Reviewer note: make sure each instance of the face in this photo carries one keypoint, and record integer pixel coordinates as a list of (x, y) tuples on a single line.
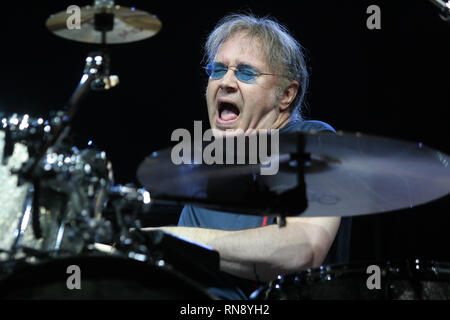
[(233, 104)]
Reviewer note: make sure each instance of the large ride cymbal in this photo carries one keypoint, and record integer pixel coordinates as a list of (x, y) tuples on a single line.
[(348, 174), (130, 25)]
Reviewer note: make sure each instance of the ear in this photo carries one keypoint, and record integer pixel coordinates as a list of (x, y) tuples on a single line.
[(289, 93)]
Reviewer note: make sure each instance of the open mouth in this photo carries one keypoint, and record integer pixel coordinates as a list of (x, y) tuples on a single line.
[(228, 112)]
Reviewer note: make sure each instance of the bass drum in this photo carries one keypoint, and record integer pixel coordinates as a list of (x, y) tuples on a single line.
[(99, 278), (406, 280)]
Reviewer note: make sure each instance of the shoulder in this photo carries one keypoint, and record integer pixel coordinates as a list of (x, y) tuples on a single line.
[(307, 125)]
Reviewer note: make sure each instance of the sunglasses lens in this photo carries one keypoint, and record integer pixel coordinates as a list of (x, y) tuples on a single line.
[(246, 74), (216, 70)]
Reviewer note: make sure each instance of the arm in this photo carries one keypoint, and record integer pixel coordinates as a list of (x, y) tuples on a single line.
[(270, 250)]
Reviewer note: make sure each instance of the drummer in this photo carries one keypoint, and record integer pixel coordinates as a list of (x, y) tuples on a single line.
[(257, 80)]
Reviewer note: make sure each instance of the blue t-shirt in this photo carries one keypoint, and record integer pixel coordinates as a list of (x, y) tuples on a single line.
[(233, 287)]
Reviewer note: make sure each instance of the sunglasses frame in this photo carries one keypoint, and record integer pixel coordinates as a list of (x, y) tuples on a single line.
[(237, 72)]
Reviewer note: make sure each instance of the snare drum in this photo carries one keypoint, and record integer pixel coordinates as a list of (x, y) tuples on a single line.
[(405, 280)]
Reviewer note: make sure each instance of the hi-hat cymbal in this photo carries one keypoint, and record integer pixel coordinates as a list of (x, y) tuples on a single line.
[(348, 174), (130, 25)]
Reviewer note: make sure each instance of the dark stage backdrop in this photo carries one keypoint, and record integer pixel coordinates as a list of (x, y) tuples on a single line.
[(391, 82)]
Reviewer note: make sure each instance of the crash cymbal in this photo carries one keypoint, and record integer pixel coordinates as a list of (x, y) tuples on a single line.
[(347, 174), (130, 25)]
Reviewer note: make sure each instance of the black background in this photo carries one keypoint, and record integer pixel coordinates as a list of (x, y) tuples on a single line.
[(391, 82)]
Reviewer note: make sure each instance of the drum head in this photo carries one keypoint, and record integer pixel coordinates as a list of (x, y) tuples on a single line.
[(100, 277)]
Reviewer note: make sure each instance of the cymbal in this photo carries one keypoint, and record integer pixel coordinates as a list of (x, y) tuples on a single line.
[(130, 25), (348, 174)]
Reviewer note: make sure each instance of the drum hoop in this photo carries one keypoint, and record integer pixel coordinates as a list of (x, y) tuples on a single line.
[(423, 269)]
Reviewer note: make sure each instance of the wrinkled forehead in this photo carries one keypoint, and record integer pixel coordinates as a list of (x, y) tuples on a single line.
[(243, 47)]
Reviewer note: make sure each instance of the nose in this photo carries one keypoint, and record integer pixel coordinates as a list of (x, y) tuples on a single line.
[(229, 82)]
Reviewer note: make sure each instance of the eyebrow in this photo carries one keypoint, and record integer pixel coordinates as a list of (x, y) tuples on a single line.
[(240, 62)]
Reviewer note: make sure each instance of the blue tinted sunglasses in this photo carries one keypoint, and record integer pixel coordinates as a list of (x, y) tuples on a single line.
[(244, 73)]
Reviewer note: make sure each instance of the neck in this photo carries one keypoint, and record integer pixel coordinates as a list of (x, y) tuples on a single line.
[(282, 120)]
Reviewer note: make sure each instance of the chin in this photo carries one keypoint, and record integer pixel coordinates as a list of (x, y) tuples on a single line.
[(227, 132)]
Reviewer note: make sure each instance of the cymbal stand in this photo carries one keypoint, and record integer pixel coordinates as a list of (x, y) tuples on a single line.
[(444, 8), (96, 77)]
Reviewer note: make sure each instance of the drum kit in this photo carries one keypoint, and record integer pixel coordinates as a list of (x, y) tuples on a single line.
[(60, 206)]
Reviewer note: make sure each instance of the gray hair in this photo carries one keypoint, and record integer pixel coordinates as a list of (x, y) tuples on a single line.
[(283, 51)]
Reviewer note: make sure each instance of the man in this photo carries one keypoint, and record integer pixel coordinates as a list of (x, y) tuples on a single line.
[(257, 80)]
